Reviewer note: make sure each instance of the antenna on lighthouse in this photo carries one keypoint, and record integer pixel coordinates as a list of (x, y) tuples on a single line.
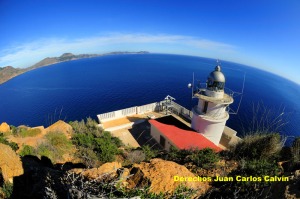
[(200, 87), (236, 94)]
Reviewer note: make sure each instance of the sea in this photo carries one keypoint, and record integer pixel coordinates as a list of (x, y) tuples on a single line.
[(78, 89)]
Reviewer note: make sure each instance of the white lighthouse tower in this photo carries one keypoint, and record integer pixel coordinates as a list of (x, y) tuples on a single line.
[(210, 115)]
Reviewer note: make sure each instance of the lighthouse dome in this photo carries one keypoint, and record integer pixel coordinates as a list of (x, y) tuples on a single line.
[(216, 80), (217, 75)]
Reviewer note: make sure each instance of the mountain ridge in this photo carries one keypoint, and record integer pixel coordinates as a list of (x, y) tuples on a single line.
[(9, 72)]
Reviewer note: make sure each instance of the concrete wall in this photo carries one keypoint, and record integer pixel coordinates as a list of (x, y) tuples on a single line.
[(178, 109), (155, 133), (104, 117), (156, 106), (147, 108)]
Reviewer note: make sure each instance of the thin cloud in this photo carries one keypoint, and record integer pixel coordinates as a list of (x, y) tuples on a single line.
[(27, 54)]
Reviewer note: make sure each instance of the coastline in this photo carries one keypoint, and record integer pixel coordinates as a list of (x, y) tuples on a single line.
[(53, 60)]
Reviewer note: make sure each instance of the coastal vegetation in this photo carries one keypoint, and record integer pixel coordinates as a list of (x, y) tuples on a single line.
[(28, 132), (94, 145), (256, 158), (4, 140), (205, 158)]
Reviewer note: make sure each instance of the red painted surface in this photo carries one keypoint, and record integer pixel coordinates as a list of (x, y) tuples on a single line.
[(184, 139)]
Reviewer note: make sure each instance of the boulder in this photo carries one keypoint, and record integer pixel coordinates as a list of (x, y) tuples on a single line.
[(159, 174), (106, 170), (61, 126), (4, 128), (297, 174), (10, 163), (24, 127), (124, 176)]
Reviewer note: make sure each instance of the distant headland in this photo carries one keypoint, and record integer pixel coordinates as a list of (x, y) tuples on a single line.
[(9, 72)]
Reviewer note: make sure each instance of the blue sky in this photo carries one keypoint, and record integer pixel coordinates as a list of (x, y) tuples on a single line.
[(259, 33)]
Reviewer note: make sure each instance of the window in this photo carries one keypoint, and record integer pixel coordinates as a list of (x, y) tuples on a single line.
[(205, 107), (215, 86)]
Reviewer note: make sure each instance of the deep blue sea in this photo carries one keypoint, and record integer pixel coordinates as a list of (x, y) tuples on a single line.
[(84, 88)]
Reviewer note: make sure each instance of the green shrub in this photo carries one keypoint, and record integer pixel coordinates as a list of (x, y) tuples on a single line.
[(27, 150), (59, 140), (90, 140), (135, 156), (83, 140), (90, 126), (55, 146), (116, 140), (105, 147), (183, 192), (255, 168), (261, 168), (205, 158), (149, 153), (7, 189), (295, 149), (258, 146), (179, 156), (14, 130), (13, 145), (47, 150), (3, 140), (29, 132), (88, 157)]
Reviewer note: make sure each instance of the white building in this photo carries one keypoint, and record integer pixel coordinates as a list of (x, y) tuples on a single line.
[(210, 115)]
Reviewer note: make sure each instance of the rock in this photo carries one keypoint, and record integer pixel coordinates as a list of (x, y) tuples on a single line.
[(297, 174), (10, 163), (125, 174), (292, 191), (41, 128), (106, 170), (24, 127), (61, 126), (4, 128), (160, 176)]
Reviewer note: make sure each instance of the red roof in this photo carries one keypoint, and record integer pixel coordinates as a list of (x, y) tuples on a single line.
[(184, 139)]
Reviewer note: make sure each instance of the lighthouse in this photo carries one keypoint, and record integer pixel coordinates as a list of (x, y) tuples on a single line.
[(210, 115)]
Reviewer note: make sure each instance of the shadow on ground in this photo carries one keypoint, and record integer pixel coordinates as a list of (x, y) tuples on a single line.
[(141, 133), (42, 179)]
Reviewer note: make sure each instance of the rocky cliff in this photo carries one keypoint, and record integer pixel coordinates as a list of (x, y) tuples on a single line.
[(10, 163), (4, 128)]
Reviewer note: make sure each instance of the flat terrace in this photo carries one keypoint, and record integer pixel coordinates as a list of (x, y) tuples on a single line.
[(134, 130), (129, 120)]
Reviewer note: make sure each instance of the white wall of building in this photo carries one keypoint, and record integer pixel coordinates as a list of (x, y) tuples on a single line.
[(155, 133), (210, 128), (216, 111)]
